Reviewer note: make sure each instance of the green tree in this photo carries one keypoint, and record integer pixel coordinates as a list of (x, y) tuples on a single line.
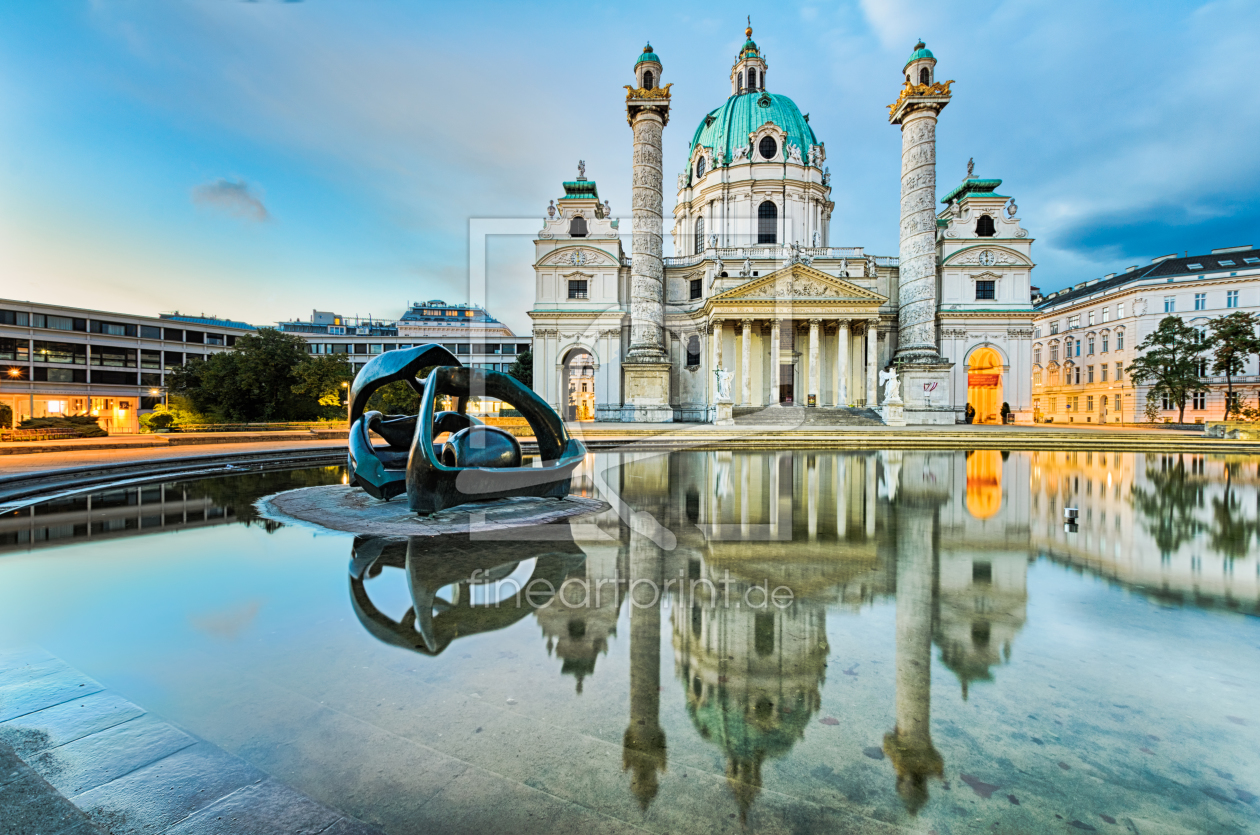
[(6, 416), (1234, 339), (1169, 363), (326, 378), (523, 369), (396, 398), (1169, 503), (255, 381)]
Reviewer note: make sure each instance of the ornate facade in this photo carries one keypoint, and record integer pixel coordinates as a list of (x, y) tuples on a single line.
[(756, 292)]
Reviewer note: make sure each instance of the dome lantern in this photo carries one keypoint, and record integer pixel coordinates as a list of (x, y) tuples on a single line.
[(647, 70), (921, 66), (748, 75)]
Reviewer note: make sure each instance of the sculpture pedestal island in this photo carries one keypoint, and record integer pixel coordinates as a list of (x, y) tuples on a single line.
[(475, 480)]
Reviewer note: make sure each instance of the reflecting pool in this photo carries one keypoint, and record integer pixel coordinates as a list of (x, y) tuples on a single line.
[(746, 642)]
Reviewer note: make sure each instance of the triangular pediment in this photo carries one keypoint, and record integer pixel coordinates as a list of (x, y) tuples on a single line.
[(799, 282)]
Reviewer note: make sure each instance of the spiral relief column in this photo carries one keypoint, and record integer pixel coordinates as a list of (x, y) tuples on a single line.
[(646, 367)]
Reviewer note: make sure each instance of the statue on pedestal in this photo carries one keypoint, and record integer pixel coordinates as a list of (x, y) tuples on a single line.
[(724, 378), (892, 385)]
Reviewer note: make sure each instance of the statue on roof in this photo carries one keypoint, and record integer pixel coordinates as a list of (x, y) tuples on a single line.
[(581, 169), (607, 209), (1011, 209), (551, 209), (971, 168)]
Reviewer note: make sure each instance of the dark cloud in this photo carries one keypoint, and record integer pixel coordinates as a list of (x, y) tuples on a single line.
[(236, 197), (1134, 236)]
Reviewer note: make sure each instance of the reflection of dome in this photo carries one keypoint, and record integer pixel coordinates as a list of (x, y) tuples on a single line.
[(727, 128)]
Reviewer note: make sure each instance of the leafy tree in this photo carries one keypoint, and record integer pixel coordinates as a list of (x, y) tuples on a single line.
[(255, 381), (523, 369), (6, 416), (397, 398), (1235, 340), (326, 378), (1169, 363)]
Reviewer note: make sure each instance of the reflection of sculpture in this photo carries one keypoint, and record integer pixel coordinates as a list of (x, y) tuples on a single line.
[(892, 386), (724, 383), (478, 462), (474, 571)]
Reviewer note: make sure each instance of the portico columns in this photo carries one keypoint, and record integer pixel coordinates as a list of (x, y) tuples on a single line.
[(814, 375), (747, 360), (872, 358), (715, 329), (776, 359), (842, 363)]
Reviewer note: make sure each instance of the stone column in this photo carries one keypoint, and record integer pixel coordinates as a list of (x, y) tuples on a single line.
[(776, 357), (916, 341), (815, 376), (842, 363), (746, 358), (872, 360), (643, 750)]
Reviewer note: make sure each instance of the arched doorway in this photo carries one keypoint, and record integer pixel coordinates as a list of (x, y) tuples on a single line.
[(578, 385), (984, 483), (984, 385)]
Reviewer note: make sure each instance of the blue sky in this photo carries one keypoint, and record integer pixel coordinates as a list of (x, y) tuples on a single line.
[(256, 160)]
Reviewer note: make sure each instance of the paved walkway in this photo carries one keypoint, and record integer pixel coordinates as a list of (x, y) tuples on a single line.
[(127, 453), (94, 759)]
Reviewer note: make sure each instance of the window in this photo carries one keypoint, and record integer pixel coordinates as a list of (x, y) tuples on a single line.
[(1052, 403), (114, 378), (1078, 347), (752, 82), (767, 217), (1037, 332), (1194, 266), (375, 349), (700, 168), (1036, 356), (1119, 340), (1226, 263), (648, 81), (1105, 314), (1054, 353), (1091, 317), (923, 75), (1102, 403), (522, 348), (1231, 298), (59, 375), (767, 147), (14, 317), (1074, 322), (577, 288), (1119, 371), (1054, 327), (1103, 371), (1120, 310), (1089, 403), (986, 289), (18, 350), (740, 82), (1200, 301), (1251, 260), (214, 339), (150, 332), (697, 290), (1167, 403), (1201, 368), (693, 351), (58, 323), (1105, 339), (699, 235), (577, 227), (62, 353), (1089, 373), (151, 360), (1077, 375), (108, 328), (1199, 400), (1091, 346), (1170, 304), (1036, 378), (984, 227)]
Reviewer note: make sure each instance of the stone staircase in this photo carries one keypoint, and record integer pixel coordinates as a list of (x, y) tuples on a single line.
[(788, 416)]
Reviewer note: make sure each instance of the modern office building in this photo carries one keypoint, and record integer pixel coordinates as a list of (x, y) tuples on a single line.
[(1085, 336), (57, 360), (468, 331)]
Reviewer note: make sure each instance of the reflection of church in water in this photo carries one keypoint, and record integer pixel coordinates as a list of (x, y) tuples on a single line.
[(839, 531)]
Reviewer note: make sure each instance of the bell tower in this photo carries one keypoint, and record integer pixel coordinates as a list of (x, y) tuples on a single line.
[(748, 75), (646, 368)]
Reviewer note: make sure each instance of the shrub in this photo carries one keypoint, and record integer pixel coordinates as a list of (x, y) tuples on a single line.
[(6, 416), (84, 426)]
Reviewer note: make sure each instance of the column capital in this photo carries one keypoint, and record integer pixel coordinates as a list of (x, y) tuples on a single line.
[(747, 323), (813, 323), (842, 324)]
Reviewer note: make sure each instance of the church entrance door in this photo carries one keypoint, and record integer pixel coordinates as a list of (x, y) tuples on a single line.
[(786, 389), (984, 385)]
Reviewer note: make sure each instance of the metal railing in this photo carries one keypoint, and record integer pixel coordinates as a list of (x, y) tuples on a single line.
[(257, 427)]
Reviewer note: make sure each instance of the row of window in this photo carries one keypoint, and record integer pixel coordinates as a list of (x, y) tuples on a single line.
[(1075, 321), (96, 376), (373, 348), (77, 353), (1170, 306), (22, 319), (1073, 403), (1072, 347), (1072, 375)]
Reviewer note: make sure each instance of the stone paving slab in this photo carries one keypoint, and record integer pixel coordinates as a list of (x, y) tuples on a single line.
[(158, 796), (127, 772), (109, 754), (340, 507), (60, 724)]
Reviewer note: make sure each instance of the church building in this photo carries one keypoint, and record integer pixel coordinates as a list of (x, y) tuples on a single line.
[(756, 308)]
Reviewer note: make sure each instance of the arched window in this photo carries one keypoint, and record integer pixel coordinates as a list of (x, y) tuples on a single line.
[(924, 76), (768, 147), (984, 227), (577, 227), (699, 235), (693, 351), (700, 168), (647, 79), (752, 79), (767, 221), (739, 84)]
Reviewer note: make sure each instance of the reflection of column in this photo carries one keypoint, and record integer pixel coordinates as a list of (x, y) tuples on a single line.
[(842, 495), (872, 360), (776, 340), (814, 376), (811, 499), (746, 356), (870, 496), (909, 745), (643, 745), (842, 362), (774, 495)]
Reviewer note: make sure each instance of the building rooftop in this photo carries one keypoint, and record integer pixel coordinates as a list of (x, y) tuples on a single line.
[(1231, 259), (436, 310), (208, 321)]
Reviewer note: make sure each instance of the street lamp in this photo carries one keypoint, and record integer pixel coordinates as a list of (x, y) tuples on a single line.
[(346, 386), (16, 374)]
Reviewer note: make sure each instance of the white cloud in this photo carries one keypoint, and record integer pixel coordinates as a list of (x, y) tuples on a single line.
[(236, 197)]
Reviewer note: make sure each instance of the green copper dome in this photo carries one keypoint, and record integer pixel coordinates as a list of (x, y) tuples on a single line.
[(648, 55), (726, 129), (920, 51)]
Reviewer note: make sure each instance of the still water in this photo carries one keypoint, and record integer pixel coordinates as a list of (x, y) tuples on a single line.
[(772, 642)]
